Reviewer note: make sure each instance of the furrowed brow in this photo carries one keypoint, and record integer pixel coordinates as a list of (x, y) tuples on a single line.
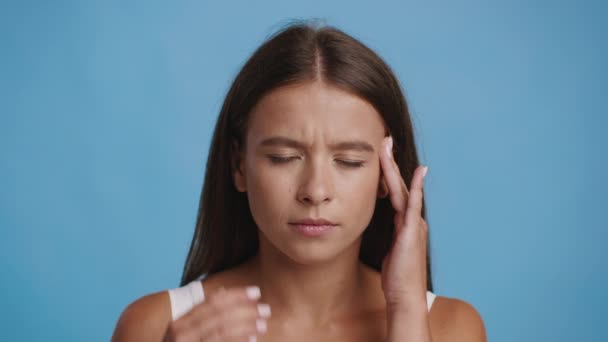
[(356, 145), (282, 141)]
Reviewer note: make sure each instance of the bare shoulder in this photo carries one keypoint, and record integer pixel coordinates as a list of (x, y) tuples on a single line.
[(452, 319), (145, 319)]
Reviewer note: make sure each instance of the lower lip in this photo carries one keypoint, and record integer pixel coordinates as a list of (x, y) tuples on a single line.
[(312, 230)]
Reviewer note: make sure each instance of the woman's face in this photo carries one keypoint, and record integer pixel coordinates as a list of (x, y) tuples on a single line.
[(312, 152)]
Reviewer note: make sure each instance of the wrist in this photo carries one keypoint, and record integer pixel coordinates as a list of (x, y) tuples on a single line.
[(408, 319), (408, 323), (408, 307)]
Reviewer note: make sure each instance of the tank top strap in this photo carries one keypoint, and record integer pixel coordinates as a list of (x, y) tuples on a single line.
[(430, 298), (184, 298)]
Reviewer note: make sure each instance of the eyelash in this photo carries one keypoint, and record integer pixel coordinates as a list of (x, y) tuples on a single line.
[(283, 160)]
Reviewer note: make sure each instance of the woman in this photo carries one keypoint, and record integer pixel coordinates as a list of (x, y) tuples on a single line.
[(306, 228)]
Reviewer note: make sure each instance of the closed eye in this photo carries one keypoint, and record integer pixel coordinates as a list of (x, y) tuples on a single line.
[(281, 159), (351, 163), (287, 159)]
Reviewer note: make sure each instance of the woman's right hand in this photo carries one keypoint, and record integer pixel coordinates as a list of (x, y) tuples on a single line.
[(232, 314)]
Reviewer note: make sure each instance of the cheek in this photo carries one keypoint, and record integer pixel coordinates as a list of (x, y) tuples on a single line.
[(270, 194), (360, 195), (364, 179)]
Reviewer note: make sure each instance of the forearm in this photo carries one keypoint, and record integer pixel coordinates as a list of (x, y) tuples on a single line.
[(408, 324)]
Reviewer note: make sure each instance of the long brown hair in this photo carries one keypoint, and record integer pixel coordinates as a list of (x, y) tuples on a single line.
[(226, 234)]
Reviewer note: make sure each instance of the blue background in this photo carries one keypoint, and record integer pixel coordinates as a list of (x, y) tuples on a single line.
[(107, 109)]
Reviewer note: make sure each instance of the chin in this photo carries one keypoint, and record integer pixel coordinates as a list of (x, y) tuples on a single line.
[(304, 250), (308, 256), (309, 253)]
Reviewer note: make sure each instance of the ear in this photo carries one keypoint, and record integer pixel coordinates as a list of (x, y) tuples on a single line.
[(238, 169), (382, 187)]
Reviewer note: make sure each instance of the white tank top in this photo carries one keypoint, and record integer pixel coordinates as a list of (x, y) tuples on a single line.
[(184, 298)]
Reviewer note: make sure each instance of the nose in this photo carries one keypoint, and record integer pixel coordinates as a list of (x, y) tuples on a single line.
[(316, 185)]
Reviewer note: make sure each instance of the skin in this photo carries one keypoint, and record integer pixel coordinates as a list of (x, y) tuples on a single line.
[(294, 167)]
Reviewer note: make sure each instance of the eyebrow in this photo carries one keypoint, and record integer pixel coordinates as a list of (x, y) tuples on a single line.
[(357, 145)]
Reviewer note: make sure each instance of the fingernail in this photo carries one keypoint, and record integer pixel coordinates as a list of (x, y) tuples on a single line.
[(261, 325), (253, 338), (253, 292), (424, 170), (264, 310)]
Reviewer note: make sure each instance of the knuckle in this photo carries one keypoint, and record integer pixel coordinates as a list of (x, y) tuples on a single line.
[(217, 302), (417, 205)]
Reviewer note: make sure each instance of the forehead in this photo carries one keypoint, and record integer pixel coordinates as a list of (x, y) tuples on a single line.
[(313, 111)]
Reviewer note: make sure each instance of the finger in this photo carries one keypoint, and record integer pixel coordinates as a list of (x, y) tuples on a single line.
[(396, 187), (413, 214), (236, 324), (396, 166), (424, 225), (220, 301)]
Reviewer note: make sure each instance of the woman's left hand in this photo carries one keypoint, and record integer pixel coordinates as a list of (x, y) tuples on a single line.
[(404, 273)]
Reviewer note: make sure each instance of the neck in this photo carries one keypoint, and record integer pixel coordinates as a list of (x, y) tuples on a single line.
[(314, 293)]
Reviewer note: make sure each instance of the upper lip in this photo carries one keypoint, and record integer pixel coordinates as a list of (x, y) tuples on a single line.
[(314, 222)]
